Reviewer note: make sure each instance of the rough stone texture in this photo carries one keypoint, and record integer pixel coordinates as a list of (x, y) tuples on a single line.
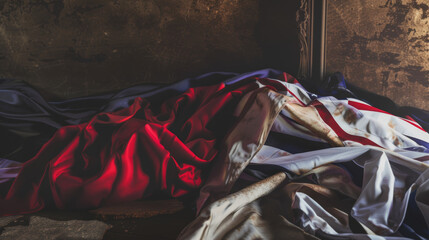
[(123, 229), (139, 209), (4, 221), (46, 229), (382, 46), (164, 227), (70, 48)]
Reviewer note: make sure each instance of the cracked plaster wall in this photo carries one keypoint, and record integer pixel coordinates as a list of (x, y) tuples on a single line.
[(382, 46)]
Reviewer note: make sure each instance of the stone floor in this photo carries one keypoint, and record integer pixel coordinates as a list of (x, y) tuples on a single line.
[(143, 220)]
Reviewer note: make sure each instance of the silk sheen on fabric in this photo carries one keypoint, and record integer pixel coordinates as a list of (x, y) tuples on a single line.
[(28, 121), (132, 153), (348, 170)]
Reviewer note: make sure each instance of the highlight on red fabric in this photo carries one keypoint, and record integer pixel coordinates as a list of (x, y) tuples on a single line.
[(137, 152)]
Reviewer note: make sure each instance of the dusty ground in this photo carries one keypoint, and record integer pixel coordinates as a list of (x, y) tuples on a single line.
[(56, 224)]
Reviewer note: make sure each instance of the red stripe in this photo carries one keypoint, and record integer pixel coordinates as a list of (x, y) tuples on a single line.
[(410, 118), (327, 117), (273, 83), (296, 97), (289, 78), (279, 86), (366, 107), (422, 159), (362, 106)]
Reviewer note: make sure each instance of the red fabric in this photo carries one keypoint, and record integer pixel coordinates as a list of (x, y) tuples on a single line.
[(366, 107), (343, 135), (127, 155)]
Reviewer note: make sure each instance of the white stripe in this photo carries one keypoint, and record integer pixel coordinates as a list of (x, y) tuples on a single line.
[(370, 125)]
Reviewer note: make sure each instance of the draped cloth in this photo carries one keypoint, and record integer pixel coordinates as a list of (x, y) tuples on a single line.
[(27, 120), (348, 170), (132, 153)]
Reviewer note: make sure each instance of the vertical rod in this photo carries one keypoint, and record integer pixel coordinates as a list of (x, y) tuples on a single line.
[(318, 41)]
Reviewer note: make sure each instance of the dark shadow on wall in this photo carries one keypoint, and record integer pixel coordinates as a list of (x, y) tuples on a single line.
[(70, 48)]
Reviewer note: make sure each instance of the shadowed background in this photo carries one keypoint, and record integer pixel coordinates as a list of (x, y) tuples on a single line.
[(71, 48)]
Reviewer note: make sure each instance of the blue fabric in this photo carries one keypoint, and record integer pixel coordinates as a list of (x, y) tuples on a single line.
[(420, 142), (414, 222), (27, 120)]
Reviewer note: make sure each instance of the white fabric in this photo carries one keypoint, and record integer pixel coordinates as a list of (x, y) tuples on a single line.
[(389, 178), (387, 131)]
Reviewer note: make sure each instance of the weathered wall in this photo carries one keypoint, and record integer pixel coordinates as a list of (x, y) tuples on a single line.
[(70, 48), (382, 46)]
